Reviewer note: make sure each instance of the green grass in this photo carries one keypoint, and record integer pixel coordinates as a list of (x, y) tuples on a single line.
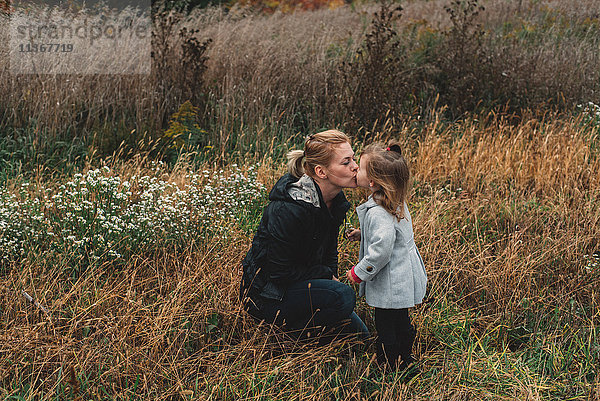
[(26, 152)]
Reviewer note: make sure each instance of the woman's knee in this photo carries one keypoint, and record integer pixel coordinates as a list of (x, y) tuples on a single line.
[(328, 296), (346, 298)]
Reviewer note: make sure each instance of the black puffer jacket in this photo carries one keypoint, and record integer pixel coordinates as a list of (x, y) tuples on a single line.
[(296, 239)]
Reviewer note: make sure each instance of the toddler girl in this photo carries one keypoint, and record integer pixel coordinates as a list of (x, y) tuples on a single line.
[(390, 271)]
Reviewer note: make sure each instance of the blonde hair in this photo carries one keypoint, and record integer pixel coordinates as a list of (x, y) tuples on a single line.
[(388, 169), (318, 150)]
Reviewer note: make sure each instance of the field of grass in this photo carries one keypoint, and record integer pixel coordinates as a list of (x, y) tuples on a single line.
[(507, 219), (127, 203)]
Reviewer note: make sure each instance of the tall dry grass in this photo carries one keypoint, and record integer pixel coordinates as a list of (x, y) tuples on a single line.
[(506, 217), (283, 74)]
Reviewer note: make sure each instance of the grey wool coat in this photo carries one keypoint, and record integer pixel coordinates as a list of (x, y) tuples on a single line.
[(390, 265)]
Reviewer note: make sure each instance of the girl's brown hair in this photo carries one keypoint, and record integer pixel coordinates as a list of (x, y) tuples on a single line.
[(388, 169), (318, 150)]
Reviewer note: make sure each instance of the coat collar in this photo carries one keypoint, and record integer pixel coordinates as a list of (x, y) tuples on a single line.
[(368, 204)]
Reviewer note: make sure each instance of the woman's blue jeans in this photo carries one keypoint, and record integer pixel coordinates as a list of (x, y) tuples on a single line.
[(323, 303)]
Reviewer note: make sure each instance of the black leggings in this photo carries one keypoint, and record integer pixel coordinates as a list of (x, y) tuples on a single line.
[(395, 336)]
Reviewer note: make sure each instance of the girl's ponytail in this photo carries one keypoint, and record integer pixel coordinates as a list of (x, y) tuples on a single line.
[(296, 163)]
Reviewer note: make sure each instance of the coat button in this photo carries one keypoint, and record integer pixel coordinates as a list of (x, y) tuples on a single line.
[(369, 268)]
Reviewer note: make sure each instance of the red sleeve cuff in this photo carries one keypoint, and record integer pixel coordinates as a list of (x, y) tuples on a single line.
[(354, 276)]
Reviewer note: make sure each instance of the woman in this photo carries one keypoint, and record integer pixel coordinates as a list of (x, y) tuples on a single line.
[(290, 272)]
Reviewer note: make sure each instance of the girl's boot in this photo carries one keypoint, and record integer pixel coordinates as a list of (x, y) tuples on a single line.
[(408, 364), (387, 354)]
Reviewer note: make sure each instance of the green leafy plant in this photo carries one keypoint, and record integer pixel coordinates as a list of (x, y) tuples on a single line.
[(184, 129)]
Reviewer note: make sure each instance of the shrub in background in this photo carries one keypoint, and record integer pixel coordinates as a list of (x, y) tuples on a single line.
[(476, 64), (179, 61), (462, 63), (377, 80)]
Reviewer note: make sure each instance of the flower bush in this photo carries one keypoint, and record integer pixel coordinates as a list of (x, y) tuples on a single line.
[(98, 217), (591, 113), (21, 221)]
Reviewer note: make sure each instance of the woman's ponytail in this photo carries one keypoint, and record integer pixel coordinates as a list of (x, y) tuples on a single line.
[(318, 150), (296, 163)]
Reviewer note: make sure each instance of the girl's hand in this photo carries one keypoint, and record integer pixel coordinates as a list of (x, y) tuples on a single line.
[(350, 277), (353, 234)]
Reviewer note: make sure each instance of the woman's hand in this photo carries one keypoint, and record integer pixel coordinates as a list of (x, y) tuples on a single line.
[(353, 234)]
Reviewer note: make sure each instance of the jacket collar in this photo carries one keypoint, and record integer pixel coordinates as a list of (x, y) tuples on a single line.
[(368, 204)]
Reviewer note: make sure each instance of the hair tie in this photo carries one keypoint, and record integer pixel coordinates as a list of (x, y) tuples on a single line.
[(394, 148)]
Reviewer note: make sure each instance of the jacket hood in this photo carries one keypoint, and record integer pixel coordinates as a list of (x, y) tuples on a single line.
[(279, 191), (304, 190), (290, 188)]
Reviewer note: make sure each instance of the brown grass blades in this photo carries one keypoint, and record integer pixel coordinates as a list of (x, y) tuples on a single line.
[(536, 157), (154, 320)]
